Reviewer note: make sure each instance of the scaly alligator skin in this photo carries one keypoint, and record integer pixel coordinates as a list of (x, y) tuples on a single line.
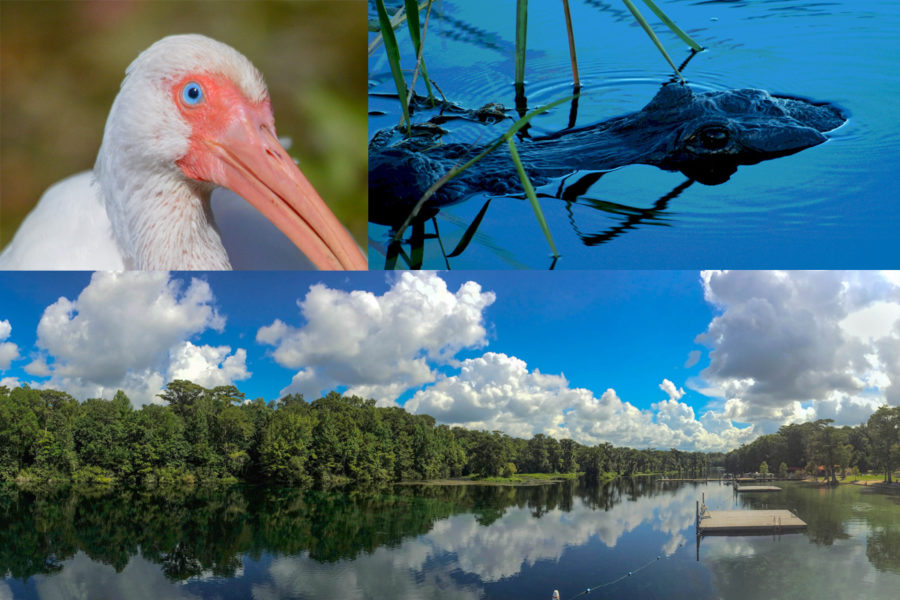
[(705, 135)]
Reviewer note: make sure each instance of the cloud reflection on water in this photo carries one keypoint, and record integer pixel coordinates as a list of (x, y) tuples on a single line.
[(459, 546), (495, 549)]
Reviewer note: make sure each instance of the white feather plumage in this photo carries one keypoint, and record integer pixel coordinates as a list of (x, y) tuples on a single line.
[(138, 210)]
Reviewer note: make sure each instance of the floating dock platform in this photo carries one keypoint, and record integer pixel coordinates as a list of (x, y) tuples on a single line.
[(748, 522), (757, 488)]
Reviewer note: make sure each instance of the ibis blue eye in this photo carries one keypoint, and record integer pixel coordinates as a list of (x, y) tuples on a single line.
[(192, 93)]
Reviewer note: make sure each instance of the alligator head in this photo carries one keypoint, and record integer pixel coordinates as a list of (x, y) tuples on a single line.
[(711, 133)]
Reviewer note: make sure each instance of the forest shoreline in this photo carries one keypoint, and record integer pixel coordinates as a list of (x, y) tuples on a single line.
[(522, 480), (200, 436)]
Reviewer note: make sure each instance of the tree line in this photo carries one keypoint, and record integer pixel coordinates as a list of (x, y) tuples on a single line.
[(870, 446), (216, 434)]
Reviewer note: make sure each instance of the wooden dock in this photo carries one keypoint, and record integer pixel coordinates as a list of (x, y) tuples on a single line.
[(737, 522), (757, 488)]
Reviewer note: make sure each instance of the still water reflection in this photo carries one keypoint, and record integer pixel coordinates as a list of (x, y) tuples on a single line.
[(447, 542)]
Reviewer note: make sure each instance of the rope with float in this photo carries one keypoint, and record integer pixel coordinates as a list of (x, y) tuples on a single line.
[(622, 577)]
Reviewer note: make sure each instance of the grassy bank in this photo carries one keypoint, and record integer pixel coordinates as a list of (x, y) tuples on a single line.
[(870, 479), (860, 479)]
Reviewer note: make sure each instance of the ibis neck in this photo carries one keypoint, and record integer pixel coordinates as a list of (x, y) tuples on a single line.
[(164, 222)]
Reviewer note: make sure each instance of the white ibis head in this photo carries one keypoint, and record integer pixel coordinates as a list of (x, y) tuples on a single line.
[(193, 113)]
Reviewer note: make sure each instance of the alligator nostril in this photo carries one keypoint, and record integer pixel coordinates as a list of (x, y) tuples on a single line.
[(714, 138)]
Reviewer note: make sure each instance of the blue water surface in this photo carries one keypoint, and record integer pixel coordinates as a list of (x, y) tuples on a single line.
[(830, 206), (631, 538)]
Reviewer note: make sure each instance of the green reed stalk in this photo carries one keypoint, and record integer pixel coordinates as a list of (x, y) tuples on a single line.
[(643, 22), (575, 80), (393, 55), (457, 170), (398, 18), (467, 235), (675, 28), (412, 19), (532, 197), (521, 31)]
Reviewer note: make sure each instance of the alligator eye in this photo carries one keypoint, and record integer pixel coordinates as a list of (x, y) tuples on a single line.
[(714, 138)]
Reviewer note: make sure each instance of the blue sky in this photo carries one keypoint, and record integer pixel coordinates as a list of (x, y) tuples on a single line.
[(597, 356), (620, 329), (602, 329)]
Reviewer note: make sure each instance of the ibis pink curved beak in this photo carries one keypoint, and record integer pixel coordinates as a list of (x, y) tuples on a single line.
[(241, 152), (258, 169)]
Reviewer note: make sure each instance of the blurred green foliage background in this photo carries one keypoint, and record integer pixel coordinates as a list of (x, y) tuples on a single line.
[(61, 63)]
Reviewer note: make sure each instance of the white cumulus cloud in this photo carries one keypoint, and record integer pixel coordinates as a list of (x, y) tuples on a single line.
[(496, 391), (8, 350), (38, 367), (790, 346), (127, 331), (673, 392), (380, 346), (208, 366)]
